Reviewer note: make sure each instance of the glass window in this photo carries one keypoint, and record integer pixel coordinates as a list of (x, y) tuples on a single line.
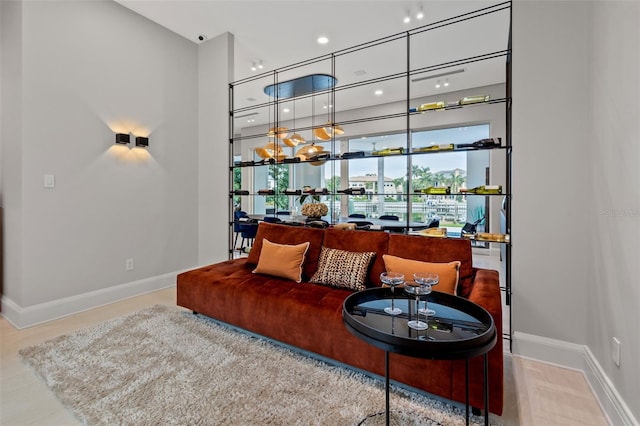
[(390, 180)]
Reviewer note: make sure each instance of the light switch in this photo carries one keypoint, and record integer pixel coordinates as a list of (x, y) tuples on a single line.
[(49, 181)]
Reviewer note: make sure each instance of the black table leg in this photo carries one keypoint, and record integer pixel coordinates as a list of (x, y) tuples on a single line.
[(466, 390), (486, 389), (386, 385)]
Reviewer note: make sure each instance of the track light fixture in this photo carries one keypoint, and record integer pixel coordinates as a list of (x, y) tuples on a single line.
[(419, 15)]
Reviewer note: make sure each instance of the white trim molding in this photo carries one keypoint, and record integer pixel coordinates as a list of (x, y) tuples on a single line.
[(23, 317), (577, 357)]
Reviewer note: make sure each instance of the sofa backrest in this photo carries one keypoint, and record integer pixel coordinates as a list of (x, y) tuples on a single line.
[(286, 234), (360, 241), (407, 246), (436, 250)]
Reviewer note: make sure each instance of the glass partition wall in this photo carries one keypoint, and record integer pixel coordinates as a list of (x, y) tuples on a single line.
[(382, 129)]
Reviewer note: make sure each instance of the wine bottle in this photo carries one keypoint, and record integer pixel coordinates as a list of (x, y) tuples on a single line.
[(440, 147), (482, 143), (483, 190), (240, 192), (474, 99), (434, 190), (356, 154), (352, 191), (266, 192), (316, 191), (388, 151), (431, 106), (291, 191)]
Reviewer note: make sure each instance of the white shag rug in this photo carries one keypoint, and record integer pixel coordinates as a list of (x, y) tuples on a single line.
[(164, 366)]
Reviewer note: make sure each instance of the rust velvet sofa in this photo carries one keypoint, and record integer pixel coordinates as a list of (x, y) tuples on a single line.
[(309, 316)]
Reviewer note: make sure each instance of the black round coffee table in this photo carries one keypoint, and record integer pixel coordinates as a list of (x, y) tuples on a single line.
[(460, 329)]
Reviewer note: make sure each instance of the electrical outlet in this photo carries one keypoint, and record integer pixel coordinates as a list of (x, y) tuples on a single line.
[(129, 264), (49, 181), (615, 351)]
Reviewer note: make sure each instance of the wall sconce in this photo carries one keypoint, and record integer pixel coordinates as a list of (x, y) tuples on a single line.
[(142, 141), (122, 138)]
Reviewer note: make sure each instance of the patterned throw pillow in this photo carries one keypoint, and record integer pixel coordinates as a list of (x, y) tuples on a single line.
[(340, 268)]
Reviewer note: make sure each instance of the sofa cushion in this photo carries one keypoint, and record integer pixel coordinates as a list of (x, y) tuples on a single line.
[(437, 250), (285, 234), (340, 268), (282, 260), (447, 272), (361, 241)]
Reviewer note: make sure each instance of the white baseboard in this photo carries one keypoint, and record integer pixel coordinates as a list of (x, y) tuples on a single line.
[(612, 403), (577, 357), (22, 317)]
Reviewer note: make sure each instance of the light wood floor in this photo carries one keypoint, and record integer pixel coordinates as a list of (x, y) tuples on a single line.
[(535, 393)]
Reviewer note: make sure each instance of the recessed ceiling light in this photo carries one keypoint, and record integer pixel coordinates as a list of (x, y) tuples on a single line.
[(323, 40), (285, 110), (378, 92), (407, 18)]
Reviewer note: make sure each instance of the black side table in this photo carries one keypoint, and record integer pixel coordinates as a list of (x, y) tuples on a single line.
[(460, 329)]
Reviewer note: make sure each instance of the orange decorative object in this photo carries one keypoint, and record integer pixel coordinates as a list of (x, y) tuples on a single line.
[(279, 132)]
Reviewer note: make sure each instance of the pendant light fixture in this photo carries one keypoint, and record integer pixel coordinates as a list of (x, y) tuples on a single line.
[(295, 138)]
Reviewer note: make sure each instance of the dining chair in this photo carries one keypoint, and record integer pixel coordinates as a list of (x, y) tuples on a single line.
[(237, 226)]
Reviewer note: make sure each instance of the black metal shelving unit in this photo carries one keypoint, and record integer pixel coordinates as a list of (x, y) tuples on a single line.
[(307, 122)]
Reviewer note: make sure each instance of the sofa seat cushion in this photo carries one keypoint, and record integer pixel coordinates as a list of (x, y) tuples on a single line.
[(285, 234), (361, 241), (437, 250)]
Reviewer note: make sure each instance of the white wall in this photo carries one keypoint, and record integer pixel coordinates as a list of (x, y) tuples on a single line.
[(613, 210), (84, 71), (215, 72), (549, 181), (576, 149)]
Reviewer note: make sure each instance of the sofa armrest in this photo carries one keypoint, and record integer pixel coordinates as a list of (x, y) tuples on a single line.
[(485, 292)]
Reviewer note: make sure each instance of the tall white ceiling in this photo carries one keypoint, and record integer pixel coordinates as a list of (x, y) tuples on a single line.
[(282, 32)]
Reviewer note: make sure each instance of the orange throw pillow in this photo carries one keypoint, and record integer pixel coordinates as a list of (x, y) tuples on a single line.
[(448, 272), (282, 260)]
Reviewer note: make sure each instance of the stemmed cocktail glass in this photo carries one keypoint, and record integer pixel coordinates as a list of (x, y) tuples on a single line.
[(430, 279), (392, 279), (424, 281)]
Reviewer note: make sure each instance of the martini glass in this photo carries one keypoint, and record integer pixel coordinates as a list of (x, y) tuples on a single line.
[(421, 289), (426, 279), (392, 279)]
